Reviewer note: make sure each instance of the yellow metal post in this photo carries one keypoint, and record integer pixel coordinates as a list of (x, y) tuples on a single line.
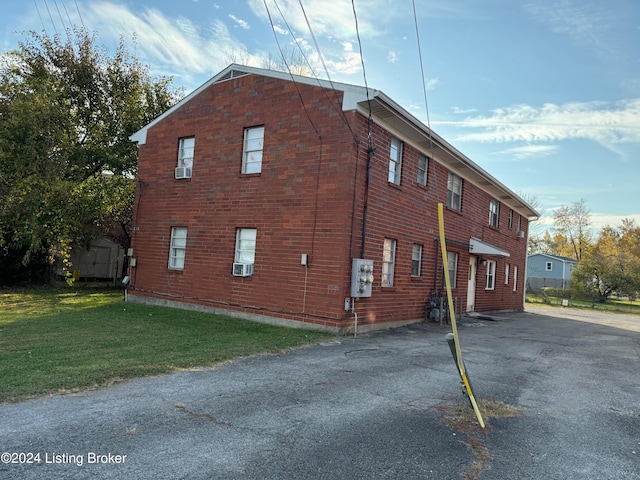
[(452, 316)]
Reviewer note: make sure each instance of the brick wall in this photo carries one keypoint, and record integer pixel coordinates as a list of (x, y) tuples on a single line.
[(308, 199)]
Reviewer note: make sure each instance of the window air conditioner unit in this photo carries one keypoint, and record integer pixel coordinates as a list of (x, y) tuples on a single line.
[(242, 269), (183, 172), (520, 234)]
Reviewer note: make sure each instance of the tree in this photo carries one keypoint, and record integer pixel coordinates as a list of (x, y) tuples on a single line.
[(67, 110), (611, 265), (573, 224)]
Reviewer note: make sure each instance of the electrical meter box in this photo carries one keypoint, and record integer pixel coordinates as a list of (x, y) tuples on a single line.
[(361, 277)]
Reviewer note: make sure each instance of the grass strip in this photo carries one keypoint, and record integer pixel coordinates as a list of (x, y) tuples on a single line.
[(56, 341)]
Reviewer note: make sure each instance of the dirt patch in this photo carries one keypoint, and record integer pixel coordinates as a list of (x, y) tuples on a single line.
[(462, 418)]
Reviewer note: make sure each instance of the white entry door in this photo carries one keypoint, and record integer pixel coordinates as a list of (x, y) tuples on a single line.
[(471, 285)]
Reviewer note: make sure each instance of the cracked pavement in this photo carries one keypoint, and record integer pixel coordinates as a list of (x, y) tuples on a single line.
[(365, 408)]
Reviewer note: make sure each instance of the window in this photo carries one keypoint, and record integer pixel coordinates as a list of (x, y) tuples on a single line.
[(452, 266), (549, 266), (510, 218), (491, 275), (506, 274), (518, 223), (178, 248), (186, 147), (423, 167), (388, 260), (416, 260), (245, 245), (252, 153), (454, 191), (494, 213), (515, 277), (395, 161)]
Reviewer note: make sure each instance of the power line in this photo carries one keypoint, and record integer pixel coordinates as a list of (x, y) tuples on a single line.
[(51, 17), (79, 15), (289, 69), (40, 17), (424, 90), (67, 14), (326, 70)]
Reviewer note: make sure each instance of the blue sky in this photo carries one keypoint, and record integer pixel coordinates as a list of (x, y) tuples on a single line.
[(543, 94)]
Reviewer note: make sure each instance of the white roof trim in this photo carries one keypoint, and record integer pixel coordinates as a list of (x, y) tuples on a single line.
[(478, 247)]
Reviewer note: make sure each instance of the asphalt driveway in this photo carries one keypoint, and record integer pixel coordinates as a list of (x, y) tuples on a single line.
[(373, 407)]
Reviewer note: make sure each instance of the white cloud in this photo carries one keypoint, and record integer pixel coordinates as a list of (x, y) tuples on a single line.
[(280, 30), (527, 151), (334, 27), (430, 83), (463, 111), (172, 46), (605, 123), (583, 22), (239, 22), (393, 57), (599, 220)]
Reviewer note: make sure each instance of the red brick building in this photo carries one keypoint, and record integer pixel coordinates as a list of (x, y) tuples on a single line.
[(257, 190)]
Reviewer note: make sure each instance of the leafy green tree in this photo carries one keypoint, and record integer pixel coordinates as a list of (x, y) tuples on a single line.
[(67, 165), (612, 264)]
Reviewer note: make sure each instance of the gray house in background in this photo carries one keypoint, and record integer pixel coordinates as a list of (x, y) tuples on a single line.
[(548, 271)]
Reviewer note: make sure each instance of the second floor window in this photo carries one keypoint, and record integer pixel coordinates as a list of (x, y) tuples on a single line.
[(454, 191), (395, 161), (186, 148), (252, 151), (494, 213), (423, 166)]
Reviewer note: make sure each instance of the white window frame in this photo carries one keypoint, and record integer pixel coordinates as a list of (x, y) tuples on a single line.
[(548, 267), (395, 161), (510, 218), (454, 192), (416, 260), (186, 148), (494, 213), (491, 275), (252, 150), (452, 266), (177, 248), (515, 277), (388, 262), (423, 169), (506, 274), (245, 245)]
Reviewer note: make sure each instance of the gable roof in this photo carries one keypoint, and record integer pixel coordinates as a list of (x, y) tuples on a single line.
[(555, 257), (387, 112)]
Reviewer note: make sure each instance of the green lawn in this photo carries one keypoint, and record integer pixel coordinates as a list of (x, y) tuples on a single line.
[(612, 305), (64, 340)]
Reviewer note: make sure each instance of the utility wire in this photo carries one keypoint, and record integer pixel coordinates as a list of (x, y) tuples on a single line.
[(66, 31), (424, 90), (50, 17), (364, 72), (67, 14), (79, 14), (289, 69), (40, 16), (326, 70)]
